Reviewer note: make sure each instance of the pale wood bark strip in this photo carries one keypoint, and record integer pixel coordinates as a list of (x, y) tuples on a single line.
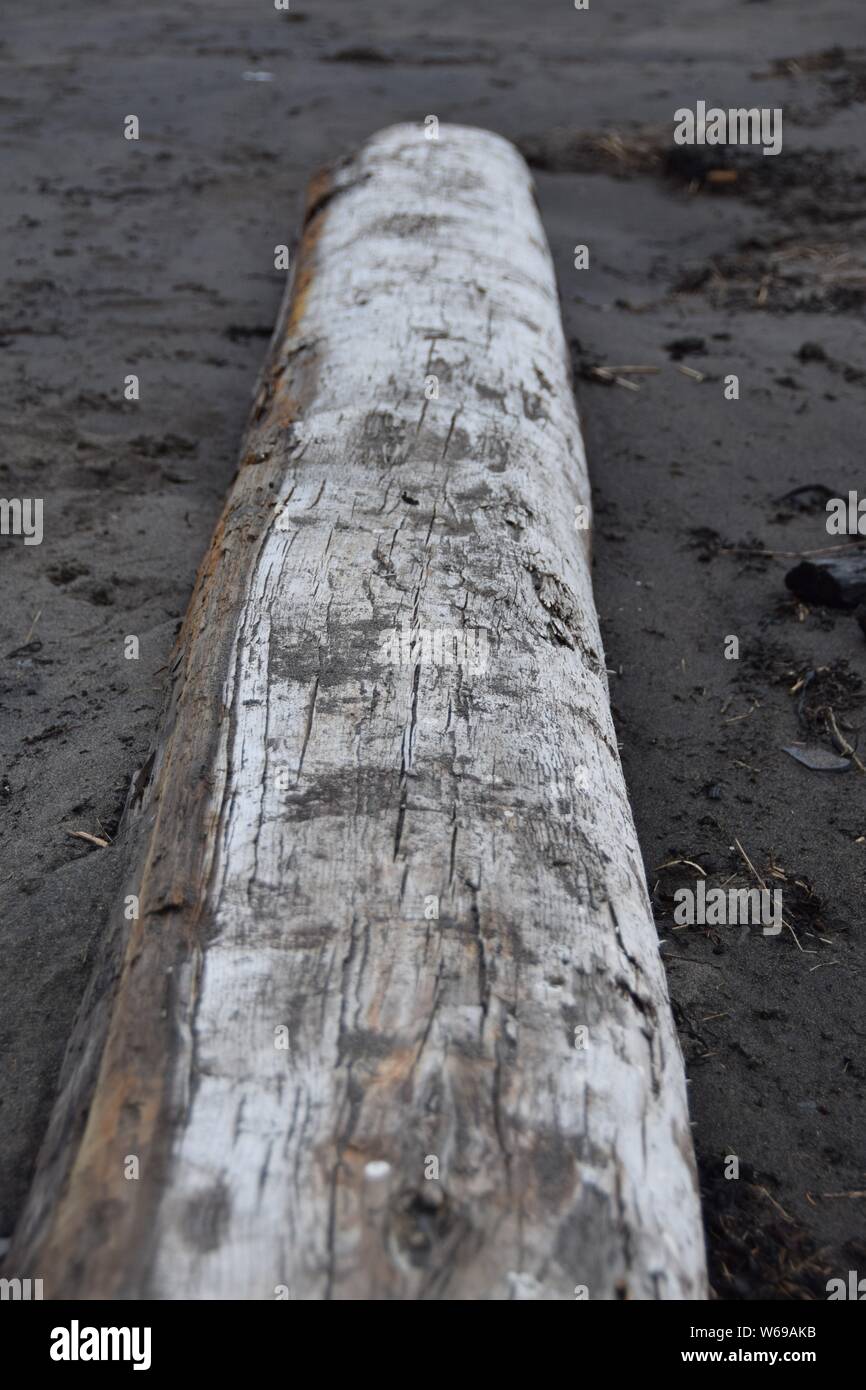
[(311, 794)]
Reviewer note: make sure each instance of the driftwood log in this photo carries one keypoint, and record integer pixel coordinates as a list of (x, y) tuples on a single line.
[(391, 1020)]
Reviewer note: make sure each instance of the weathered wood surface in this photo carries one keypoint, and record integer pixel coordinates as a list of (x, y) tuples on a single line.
[(315, 790)]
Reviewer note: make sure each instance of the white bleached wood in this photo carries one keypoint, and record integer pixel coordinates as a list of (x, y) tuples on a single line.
[(311, 797)]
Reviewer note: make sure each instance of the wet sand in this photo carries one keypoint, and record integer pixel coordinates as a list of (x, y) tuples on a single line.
[(155, 257)]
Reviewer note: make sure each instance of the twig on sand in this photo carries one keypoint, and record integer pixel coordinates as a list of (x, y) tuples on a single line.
[(92, 839), (32, 628), (669, 863), (630, 371), (764, 886), (735, 718), (608, 374), (789, 554), (844, 746), (770, 1198)]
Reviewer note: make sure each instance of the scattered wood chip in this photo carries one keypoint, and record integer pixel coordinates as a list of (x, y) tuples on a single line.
[(608, 374), (632, 371), (92, 839)]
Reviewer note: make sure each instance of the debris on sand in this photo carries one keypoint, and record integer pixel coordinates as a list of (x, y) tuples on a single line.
[(809, 497), (360, 53), (837, 581), (811, 352), (685, 347), (91, 839), (700, 168), (621, 153), (757, 1249), (805, 62), (618, 375), (817, 759)]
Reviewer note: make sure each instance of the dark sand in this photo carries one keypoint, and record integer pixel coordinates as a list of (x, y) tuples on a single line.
[(156, 258)]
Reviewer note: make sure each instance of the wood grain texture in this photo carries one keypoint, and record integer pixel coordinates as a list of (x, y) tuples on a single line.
[(388, 701)]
